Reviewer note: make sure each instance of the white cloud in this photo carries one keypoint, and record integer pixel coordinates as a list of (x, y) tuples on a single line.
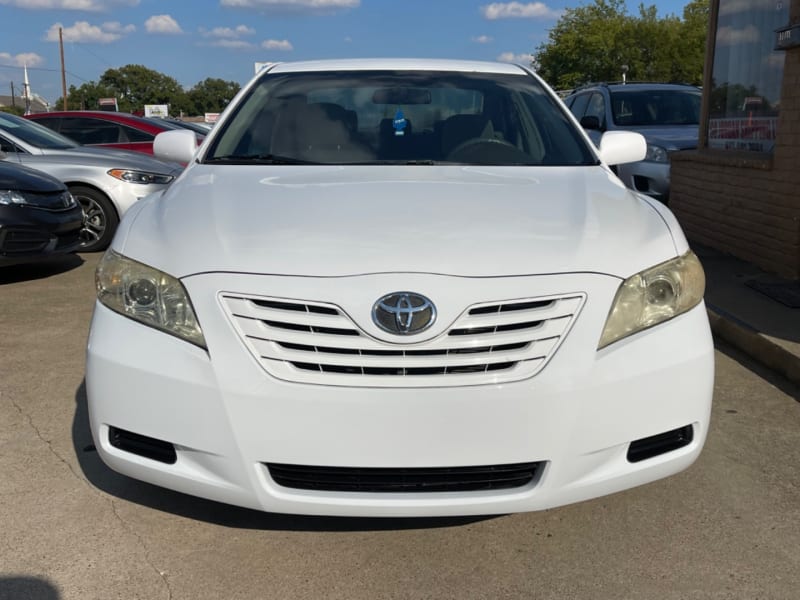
[(348, 40), (228, 33), (730, 36), (117, 27), (82, 31), (283, 45), (30, 59), (84, 5), (510, 57), (162, 24), (483, 39), (232, 44), (308, 6), (518, 10)]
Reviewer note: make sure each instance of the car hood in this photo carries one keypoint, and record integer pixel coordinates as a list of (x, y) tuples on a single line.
[(674, 137), (103, 157), (337, 221), (14, 176)]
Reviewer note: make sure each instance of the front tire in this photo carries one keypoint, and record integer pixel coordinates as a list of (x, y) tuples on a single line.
[(100, 218)]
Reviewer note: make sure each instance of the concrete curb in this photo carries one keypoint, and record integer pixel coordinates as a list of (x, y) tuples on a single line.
[(756, 345)]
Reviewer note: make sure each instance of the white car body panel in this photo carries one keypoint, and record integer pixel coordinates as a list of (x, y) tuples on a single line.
[(546, 220)]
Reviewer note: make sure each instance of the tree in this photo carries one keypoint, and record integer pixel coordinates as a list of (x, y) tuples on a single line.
[(84, 97), (133, 86), (14, 110), (211, 95), (593, 42)]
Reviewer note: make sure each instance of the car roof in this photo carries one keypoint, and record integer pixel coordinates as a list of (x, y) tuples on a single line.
[(636, 86), (397, 64), (112, 114), (119, 117)]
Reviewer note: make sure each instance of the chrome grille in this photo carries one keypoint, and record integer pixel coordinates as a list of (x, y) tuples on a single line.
[(314, 342)]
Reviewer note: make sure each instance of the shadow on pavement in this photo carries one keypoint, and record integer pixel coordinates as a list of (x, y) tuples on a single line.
[(145, 494), (780, 382), (26, 588), (39, 270)]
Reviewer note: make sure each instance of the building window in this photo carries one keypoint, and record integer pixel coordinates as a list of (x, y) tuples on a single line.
[(746, 76)]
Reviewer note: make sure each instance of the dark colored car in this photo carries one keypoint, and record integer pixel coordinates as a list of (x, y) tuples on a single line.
[(39, 218), (200, 128), (666, 114), (122, 131)]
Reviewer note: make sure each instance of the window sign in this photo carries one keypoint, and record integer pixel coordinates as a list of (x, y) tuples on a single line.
[(747, 75)]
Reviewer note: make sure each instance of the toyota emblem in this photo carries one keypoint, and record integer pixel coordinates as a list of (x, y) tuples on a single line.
[(403, 313)]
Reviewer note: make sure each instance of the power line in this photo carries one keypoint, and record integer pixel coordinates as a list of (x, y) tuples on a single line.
[(47, 70), (86, 49)]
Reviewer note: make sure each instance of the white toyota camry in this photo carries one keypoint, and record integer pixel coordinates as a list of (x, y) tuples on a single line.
[(399, 287)]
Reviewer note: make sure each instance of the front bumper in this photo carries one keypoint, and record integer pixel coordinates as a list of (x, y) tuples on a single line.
[(32, 234), (226, 416), (125, 194)]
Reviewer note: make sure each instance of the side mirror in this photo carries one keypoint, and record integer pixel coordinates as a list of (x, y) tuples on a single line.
[(590, 122), (175, 146), (619, 147)]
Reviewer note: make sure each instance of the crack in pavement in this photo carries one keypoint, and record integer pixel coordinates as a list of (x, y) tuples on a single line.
[(161, 574), (48, 443)]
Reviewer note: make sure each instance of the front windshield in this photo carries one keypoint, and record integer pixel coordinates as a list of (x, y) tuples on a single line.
[(399, 117), (33, 133), (656, 107)]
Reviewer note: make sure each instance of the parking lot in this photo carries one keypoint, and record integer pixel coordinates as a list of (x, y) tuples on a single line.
[(729, 527)]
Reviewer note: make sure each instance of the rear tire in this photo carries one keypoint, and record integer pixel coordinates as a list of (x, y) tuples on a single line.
[(100, 218)]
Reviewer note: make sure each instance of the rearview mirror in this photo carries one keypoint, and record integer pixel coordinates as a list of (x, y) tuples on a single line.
[(177, 146), (619, 147)]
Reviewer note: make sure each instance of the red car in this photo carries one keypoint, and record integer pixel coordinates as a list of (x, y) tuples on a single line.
[(122, 131)]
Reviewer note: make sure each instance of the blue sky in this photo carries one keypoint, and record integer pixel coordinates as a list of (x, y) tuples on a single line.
[(192, 40)]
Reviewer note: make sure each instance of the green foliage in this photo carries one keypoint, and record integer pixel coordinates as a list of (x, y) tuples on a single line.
[(135, 85), (84, 97), (14, 110), (594, 41), (211, 95)]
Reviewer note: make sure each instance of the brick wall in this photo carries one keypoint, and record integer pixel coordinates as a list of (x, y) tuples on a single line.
[(746, 205)]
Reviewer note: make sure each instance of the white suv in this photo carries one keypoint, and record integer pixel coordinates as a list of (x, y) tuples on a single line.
[(399, 287)]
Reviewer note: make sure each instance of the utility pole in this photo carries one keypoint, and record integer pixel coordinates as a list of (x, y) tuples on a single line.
[(13, 100), (63, 71)]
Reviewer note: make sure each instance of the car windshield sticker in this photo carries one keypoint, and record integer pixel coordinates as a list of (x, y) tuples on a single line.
[(399, 122)]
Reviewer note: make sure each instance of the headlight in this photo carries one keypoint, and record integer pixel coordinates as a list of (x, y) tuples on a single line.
[(147, 295), (9, 197), (656, 154), (51, 201), (654, 296), (142, 177)]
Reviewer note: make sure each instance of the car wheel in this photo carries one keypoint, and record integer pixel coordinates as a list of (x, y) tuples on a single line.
[(100, 218)]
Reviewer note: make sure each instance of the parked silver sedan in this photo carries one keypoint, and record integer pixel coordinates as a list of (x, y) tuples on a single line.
[(105, 182)]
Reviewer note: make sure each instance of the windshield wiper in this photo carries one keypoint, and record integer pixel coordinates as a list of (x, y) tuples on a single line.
[(259, 159)]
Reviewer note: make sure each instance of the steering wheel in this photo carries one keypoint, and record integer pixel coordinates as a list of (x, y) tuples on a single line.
[(487, 150)]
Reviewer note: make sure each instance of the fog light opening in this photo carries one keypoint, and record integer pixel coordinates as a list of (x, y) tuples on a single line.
[(143, 446), (662, 443)]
